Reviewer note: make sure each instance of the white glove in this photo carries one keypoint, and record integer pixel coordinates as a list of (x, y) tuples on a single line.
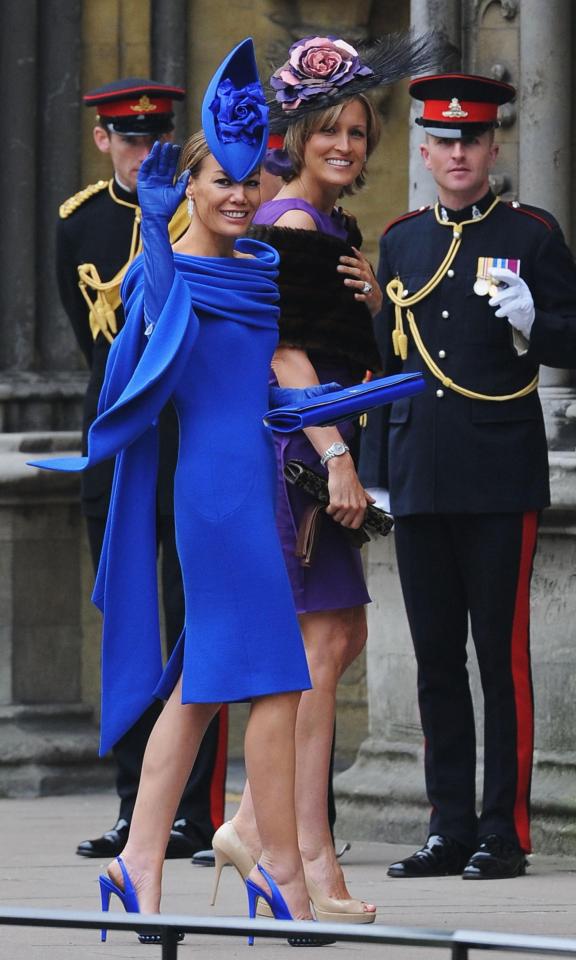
[(514, 301)]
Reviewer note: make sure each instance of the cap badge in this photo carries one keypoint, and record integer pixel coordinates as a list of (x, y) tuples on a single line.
[(454, 109), (144, 105)]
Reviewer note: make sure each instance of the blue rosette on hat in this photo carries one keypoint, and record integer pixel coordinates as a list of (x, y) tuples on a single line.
[(235, 114)]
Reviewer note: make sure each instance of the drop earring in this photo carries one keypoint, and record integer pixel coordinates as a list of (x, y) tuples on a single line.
[(190, 206)]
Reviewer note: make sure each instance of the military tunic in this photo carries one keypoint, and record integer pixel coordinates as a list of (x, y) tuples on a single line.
[(98, 228), (450, 453)]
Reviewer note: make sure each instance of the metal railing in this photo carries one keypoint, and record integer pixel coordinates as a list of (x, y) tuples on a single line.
[(458, 942)]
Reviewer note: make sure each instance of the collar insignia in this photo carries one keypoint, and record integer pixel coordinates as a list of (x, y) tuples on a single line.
[(444, 214), (454, 109), (475, 212)]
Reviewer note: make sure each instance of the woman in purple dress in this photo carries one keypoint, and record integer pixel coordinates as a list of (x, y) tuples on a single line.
[(328, 293), (327, 296)]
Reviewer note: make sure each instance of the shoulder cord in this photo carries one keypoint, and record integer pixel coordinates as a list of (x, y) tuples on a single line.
[(102, 309), (400, 298)]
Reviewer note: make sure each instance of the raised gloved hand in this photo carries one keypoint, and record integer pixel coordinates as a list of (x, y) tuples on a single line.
[(292, 396), (514, 301), (159, 197)]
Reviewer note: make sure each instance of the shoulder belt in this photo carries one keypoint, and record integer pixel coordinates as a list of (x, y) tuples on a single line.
[(76, 201), (103, 296), (515, 205), (405, 216)]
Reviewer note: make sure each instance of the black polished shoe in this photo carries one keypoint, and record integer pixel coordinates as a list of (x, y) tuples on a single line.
[(110, 844), (204, 858), (496, 859), (439, 857), (185, 840)]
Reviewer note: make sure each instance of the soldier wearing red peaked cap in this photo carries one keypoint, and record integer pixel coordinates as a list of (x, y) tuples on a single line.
[(480, 292), (98, 236), (135, 106), (459, 105)]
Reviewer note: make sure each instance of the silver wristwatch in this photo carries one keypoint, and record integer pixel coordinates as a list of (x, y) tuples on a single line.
[(337, 449)]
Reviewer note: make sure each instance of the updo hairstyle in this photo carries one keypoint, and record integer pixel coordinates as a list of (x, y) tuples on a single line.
[(194, 151)]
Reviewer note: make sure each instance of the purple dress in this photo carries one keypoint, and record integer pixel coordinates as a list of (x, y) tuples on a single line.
[(335, 579)]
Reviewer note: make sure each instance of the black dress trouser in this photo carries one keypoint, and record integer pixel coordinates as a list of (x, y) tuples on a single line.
[(456, 568), (203, 799)]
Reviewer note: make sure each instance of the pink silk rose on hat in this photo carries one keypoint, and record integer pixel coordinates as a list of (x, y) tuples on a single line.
[(317, 65)]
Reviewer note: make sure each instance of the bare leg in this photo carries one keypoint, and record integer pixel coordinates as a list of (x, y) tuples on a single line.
[(244, 821), (270, 763), (333, 639), (168, 760)]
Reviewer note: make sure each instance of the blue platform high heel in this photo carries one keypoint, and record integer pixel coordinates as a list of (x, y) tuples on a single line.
[(129, 900), (280, 910)]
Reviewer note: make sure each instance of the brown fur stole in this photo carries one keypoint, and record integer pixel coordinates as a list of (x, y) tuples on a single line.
[(317, 312)]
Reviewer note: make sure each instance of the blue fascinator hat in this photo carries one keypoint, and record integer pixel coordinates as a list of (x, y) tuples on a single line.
[(234, 113)]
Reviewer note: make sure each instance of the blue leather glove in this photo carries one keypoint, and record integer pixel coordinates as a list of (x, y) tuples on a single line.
[(159, 198), (293, 396)]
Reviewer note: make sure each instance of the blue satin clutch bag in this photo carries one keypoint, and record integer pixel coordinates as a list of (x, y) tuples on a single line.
[(345, 404)]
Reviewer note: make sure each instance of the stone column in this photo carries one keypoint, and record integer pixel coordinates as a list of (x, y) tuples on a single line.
[(169, 43), (40, 163), (428, 15), (545, 97), (58, 167), (18, 76), (545, 161)]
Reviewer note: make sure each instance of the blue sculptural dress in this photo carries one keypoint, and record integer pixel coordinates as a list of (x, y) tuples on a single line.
[(210, 352)]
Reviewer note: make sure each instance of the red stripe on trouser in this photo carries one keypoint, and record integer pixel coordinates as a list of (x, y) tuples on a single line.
[(520, 662), (218, 781)]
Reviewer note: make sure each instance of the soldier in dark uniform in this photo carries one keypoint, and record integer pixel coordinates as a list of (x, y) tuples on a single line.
[(480, 292), (97, 238)]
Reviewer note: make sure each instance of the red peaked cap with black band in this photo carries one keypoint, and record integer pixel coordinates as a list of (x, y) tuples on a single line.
[(135, 106), (459, 105)]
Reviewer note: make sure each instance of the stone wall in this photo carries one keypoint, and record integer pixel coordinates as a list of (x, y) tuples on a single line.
[(48, 736)]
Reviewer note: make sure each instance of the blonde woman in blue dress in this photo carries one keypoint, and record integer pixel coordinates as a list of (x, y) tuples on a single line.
[(201, 329)]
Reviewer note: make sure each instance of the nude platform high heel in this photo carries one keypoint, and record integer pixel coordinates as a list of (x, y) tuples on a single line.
[(332, 910), (229, 849)]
